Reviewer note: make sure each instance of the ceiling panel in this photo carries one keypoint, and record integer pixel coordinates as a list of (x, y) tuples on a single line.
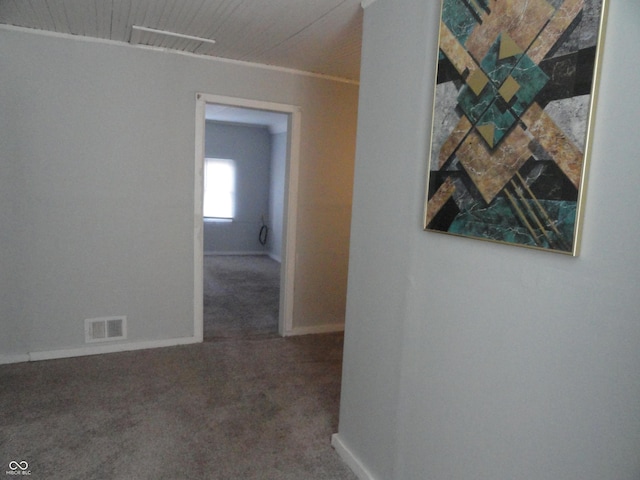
[(319, 36), (331, 44)]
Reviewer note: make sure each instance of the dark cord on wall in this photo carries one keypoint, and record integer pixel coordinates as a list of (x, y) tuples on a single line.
[(264, 233)]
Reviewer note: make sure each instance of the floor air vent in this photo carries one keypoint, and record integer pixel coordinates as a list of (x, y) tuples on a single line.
[(105, 329)]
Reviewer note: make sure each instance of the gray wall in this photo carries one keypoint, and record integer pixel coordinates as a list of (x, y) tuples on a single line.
[(250, 148), (465, 359), (276, 198), (97, 186)]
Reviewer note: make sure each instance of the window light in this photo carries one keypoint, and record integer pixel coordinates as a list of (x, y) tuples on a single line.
[(219, 188)]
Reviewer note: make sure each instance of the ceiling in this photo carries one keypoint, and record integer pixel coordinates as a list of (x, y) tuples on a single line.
[(275, 122), (315, 36)]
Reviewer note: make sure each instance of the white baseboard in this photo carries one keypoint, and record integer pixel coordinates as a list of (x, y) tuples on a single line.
[(211, 253), (350, 459), (275, 257), (96, 350), (338, 327), (7, 359)]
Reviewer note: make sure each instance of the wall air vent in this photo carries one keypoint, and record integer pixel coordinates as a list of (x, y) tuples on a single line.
[(105, 329)]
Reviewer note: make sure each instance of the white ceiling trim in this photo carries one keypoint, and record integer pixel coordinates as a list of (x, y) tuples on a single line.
[(366, 3), (106, 41)]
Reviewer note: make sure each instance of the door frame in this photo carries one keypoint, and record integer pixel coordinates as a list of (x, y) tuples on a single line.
[(287, 268)]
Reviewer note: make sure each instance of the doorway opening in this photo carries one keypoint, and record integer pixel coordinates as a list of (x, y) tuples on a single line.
[(273, 227)]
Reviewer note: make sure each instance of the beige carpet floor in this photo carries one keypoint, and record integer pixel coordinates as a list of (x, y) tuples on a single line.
[(233, 409), (241, 296)]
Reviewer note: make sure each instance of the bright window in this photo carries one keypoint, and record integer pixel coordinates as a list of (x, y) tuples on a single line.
[(219, 188)]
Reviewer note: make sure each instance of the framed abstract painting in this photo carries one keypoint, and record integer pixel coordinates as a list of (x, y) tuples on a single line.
[(513, 106)]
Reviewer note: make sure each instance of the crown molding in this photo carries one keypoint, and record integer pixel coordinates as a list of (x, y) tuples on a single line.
[(106, 41), (366, 3)]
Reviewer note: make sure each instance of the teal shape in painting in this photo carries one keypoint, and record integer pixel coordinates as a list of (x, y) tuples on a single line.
[(498, 70), (459, 19), (523, 70), (531, 80), (499, 222), (500, 117), (474, 106), (488, 107)]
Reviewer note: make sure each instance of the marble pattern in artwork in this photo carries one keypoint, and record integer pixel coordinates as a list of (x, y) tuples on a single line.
[(511, 115)]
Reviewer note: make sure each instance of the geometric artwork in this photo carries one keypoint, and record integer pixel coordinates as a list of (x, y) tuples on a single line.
[(513, 105)]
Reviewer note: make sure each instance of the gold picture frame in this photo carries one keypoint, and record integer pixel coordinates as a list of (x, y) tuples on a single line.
[(514, 103)]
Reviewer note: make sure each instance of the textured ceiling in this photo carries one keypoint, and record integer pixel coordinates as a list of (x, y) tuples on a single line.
[(317, 36)]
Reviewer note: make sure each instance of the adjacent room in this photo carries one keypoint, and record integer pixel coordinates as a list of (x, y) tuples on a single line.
[(245, 160)]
